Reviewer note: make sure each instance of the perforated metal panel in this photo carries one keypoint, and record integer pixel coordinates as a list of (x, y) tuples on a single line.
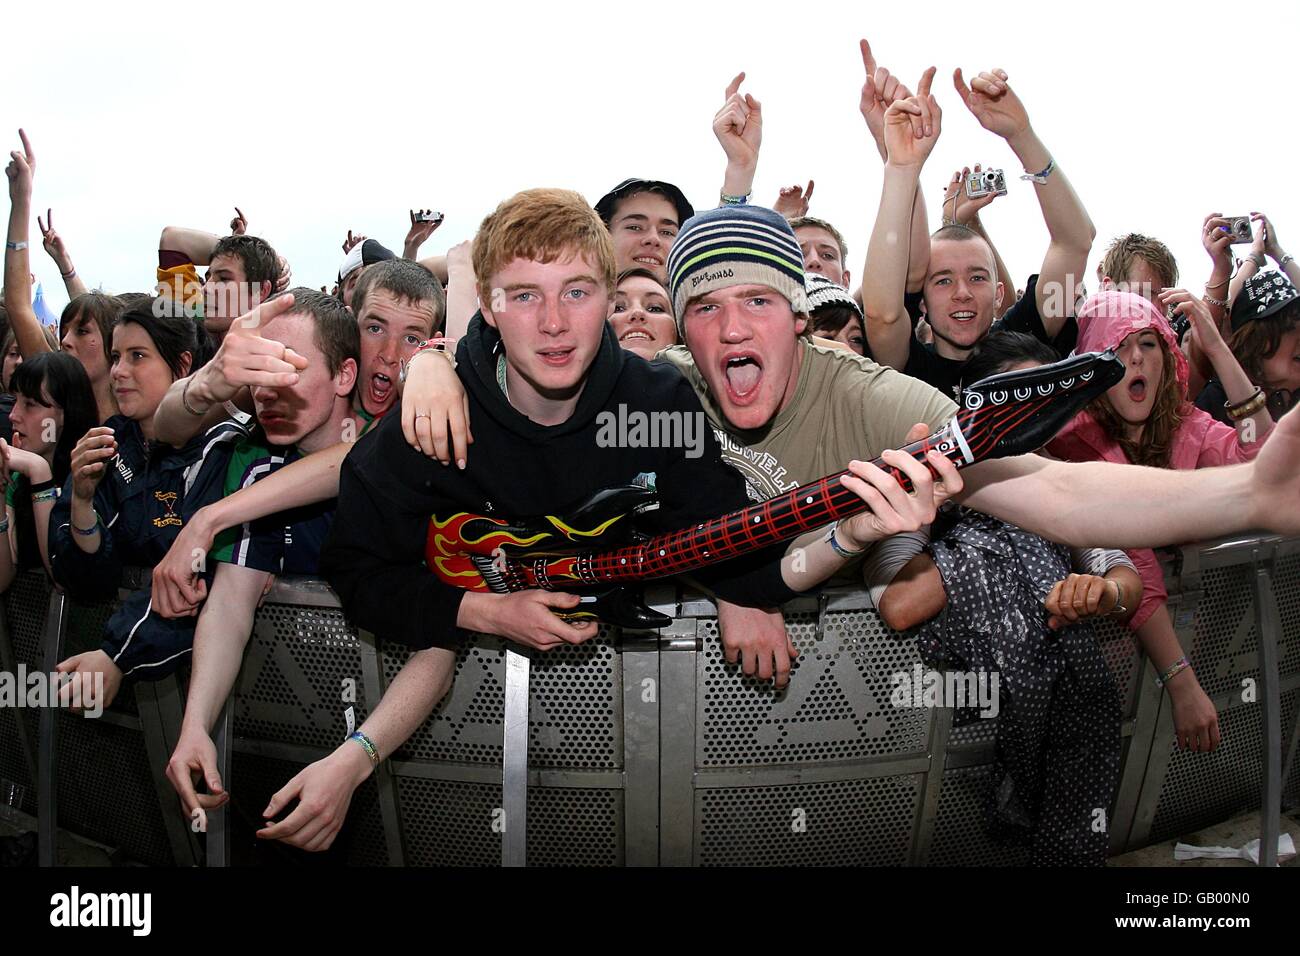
[(256, 778), (106, 790), (1201, 789), (466, 726), (837, 706), (960, 838), (291, 687), (839, 823), (575, 827), (1124, 658), (1227, 644), (575, 714), (449, 823), (27, 602)]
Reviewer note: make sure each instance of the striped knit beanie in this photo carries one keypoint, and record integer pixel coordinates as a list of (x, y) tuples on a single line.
[(735, 245), (822, 291)]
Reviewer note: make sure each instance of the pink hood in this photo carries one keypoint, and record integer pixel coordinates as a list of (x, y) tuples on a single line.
[(1108, 318)]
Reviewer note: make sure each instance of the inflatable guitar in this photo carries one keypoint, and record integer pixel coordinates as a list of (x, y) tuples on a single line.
[(595, 547)]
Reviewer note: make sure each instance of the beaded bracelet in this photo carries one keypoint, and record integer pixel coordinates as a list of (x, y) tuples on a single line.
[(1211, 300), (84, 532), (1165, 676), (1247, 408), (368, 746)]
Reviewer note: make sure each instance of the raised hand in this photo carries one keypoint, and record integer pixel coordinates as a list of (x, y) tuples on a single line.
[(957, 206), (793, 201), (90, 458), (418, 233), (738, 125), (992, 101), (1272, 248), (21, 170), (912, 125), (879, 92), (1216, 238), (239, 225), (53, 242), (1205, 332), (351, 241), (286, 276)]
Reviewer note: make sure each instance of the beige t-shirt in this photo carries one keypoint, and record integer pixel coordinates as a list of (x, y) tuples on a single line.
[(844, 407)]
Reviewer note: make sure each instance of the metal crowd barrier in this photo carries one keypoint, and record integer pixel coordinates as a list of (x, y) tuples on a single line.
[(648, 749)]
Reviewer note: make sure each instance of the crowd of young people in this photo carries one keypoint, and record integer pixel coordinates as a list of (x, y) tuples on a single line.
[(229, 428)]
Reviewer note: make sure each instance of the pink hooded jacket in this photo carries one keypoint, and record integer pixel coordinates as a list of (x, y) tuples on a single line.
[(1105, 321)]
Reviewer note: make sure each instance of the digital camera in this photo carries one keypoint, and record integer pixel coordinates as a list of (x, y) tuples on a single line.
[(1240, 229), (428, 217), (990, 181)]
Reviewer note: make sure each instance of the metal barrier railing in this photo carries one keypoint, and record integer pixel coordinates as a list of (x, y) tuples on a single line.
[(646, 749)]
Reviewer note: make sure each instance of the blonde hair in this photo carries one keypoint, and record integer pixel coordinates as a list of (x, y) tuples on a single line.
[(542, 225), (1119, 258)]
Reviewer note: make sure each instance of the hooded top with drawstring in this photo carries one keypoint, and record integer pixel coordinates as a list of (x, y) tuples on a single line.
[(1105, 321), (374, 558)]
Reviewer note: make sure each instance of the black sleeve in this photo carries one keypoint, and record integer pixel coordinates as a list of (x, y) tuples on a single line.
[(86, 577), (374, 557), (1024, 317), (912, 303), (697, 489)]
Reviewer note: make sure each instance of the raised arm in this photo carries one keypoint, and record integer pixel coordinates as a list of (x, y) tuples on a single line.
[(420, 230), (911, 129), (57, 251), (999, 110), (1237, 385), (738, 125), (879, 91), (18, 273), (462, 290), (1273, 249)]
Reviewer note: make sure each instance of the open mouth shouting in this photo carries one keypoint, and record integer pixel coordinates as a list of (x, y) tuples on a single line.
[(379, 391), (1137, 389), (743, 373)]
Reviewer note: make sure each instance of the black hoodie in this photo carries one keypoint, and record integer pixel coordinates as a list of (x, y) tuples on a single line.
[(374, 558)]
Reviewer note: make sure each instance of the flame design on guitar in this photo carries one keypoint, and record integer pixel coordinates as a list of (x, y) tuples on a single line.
[(593, 548)]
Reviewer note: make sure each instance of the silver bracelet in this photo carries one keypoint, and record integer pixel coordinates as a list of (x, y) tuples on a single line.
[(1281, 263), (185, 400)]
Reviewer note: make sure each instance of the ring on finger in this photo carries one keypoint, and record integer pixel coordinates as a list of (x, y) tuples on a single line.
[(421, 414)]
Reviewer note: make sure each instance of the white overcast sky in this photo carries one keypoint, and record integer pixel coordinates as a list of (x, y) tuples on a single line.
[(319, 118)]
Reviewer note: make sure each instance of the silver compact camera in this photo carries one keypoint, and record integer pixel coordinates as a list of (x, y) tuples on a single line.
[(987, 182), (1240, 229)]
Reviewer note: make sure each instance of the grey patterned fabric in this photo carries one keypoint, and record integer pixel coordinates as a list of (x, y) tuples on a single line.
[(1058, 742)]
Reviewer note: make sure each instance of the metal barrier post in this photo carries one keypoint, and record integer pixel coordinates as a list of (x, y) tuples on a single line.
[(218, 841), (158, 703), (514, 761), (47, 830), (1268, 625)]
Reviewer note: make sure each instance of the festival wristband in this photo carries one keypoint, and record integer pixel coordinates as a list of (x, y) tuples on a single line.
[(368, 746)]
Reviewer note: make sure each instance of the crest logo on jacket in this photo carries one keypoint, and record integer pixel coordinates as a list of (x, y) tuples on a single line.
[(171, 519)]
